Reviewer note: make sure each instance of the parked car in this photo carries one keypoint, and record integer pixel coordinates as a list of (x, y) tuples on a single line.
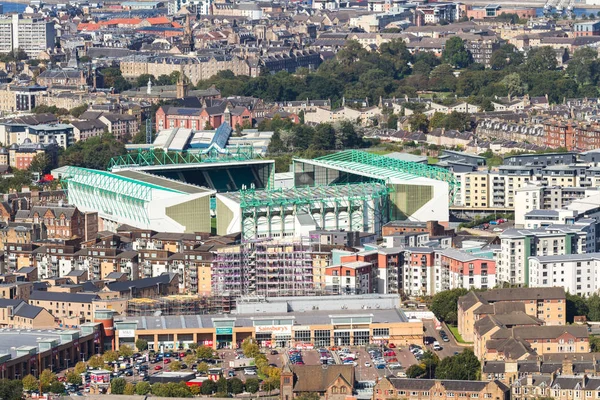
[(157, 368)]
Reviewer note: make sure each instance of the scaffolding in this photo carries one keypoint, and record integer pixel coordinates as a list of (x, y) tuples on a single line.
[(180, 305), (266, 268), (277, 213), (152, 156)]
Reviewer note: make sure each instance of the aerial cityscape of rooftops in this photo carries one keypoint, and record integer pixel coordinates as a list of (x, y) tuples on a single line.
[(300, 200)]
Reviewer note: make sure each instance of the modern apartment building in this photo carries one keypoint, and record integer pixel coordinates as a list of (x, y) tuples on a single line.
[(518, 245), (576, 273), (30, 34)]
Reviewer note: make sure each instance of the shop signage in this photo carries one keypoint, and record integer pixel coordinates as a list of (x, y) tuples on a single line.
[(277, 329), (224, 331)]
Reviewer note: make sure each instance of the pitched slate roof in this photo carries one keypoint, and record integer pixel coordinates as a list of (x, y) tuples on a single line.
[(315, 378)]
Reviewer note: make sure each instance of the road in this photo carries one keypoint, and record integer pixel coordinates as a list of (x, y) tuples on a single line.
[(449, 348)]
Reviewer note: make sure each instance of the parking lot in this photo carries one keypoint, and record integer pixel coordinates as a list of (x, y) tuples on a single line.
[(448, 348)]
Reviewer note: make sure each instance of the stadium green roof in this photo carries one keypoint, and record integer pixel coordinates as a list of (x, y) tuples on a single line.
[(113, 183), (382, 167)]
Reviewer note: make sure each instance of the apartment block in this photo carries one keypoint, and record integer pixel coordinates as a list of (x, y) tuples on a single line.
[(577, 273), (517, 245), (546, 304), (356, 277), (18, 314), (30, 34)]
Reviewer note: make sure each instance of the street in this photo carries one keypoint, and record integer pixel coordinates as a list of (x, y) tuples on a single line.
[(449, 348)]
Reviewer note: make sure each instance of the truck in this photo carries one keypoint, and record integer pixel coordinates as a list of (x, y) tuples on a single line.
[(241, 363)]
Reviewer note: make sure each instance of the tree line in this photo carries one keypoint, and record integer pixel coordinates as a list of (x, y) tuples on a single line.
[(463, 367), (356, 73)]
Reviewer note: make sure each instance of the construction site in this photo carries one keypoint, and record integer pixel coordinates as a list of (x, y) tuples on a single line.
[(180, 305), (268, 268)]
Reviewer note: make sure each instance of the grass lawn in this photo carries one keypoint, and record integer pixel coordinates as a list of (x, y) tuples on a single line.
[(432, 160), (454, 330), (380, 152)]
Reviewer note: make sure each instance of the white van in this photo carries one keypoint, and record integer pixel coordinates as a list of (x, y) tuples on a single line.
[(436, 346), (249, 371)]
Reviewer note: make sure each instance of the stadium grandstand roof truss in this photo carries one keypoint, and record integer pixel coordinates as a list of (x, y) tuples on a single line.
[(318, 202), (110, 193), (387, 168), (148, 157)]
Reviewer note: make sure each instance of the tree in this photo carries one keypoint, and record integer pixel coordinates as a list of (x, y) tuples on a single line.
[(96, 361), (47, 377), (415, 371), (576, 306), (442, 78), (276, 145), (93, 153), (514, 85), (142, 80), (129, 389), (250, 348), (175, 366), (80, 367), (208, 387), (593, 303), (204, 352), (74, 378), (252, 385), (444, 305), (237, 386), (193, 346), (584, 66), (125, 350), (594, 343), (208, 126), (463, 367), (141, 344), (189, 359), (77, 111), (117, 386), (541, 59), (418, 122), (507, 55), (324, 137), (202, 367), (30, 383), (223, 386), (142, 388), (114, 79), (56, 387), (456, 54), (40, 164), (11, 389), (110, 356)]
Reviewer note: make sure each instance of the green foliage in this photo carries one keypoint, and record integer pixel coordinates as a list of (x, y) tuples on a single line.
[(507, 55), (110, 356), (141, 344), (114, 79), (11, 389), (444, 305), (56, 387), (463, 366), (580, 306), (485, 219), (415, 371), (96, 361), (125, 350), (117, 385), (74, 378), (142, 80), (142, 388), (44, 109), (41, 163), (455, 120), (250, 348), (93, 153), (47, 378), (80, 367), (208, 387), (252, 385), (129, 389), (456, 54), (236, 385), (77, 111), (594, 343), (418, 122), (175, 366), (512, 18), (30, 383), (204, 352), (541, 59)]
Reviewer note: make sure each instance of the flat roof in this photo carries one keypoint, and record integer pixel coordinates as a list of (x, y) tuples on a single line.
[(160, 181), (11, 339), (315, 317)]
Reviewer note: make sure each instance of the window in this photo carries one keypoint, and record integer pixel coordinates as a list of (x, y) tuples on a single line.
[(381, 332)]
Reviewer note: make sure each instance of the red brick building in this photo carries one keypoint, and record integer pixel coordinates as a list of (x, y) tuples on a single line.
[(168, 117)]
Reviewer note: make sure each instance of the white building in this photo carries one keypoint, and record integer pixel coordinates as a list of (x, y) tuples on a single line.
[(577, 273), (32, 35), (518, 245)]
